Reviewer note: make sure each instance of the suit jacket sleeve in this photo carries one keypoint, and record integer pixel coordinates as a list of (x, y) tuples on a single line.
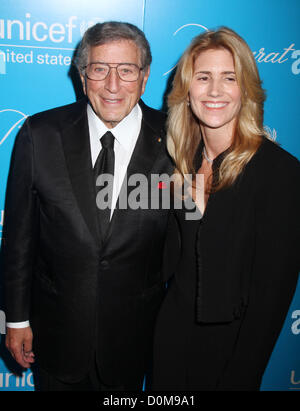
[(19, 230), (274, 276)]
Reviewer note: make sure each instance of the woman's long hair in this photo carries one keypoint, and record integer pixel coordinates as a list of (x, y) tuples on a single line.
[(184, 134)]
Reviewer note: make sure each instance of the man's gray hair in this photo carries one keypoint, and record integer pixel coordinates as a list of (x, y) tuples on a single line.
[(102, 33)]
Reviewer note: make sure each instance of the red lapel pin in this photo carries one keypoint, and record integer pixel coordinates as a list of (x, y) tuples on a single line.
[(161, 185)]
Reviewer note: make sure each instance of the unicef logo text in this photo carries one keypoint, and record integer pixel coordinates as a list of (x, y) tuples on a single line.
[(40, 31), (11, 382)]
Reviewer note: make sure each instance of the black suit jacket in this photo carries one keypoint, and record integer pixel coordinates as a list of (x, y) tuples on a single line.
[(83, 294), (247, 259)]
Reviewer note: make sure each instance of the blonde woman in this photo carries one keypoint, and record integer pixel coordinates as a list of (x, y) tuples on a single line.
[(232, 284)]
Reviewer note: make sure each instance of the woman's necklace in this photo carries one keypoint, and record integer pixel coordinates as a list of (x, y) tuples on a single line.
[(206, 156)]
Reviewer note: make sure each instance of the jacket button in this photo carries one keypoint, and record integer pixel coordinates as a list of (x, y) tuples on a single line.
[(104, 265)]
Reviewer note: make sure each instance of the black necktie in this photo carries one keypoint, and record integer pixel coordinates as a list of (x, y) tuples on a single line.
[(104, 166)]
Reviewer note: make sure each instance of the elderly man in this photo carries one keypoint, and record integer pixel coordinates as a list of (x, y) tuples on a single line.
[(83, 283)]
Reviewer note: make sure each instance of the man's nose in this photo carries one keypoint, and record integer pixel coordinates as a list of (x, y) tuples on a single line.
[(112, 81)]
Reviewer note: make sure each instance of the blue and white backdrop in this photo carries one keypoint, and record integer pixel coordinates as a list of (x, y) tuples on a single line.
[(37, 41)]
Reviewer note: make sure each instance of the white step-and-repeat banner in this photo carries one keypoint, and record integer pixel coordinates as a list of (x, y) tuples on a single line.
[(37, 42)]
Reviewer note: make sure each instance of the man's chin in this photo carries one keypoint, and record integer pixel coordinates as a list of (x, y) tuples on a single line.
[(111, 123), (111, 120)]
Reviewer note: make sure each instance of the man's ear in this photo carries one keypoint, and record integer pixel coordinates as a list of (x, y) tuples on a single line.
[(83, 82), (145, 79)]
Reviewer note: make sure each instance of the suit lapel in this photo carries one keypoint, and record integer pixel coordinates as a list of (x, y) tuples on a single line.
[(143, 157), (145, 151), (76, 144), (148, 144)]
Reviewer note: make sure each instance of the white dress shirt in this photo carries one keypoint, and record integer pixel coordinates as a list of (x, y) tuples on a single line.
[(126, 134)]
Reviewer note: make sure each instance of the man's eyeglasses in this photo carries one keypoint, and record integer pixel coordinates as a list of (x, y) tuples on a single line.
[(99, 71)]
